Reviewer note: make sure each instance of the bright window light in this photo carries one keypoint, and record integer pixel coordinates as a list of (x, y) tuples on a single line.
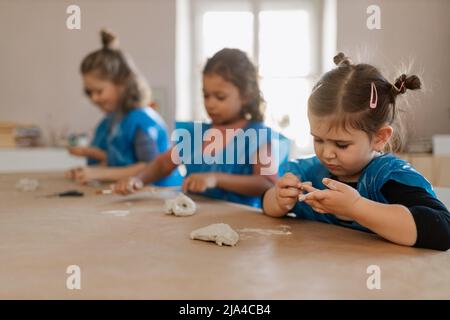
[(285, 45), (284, 55), (227, 29)]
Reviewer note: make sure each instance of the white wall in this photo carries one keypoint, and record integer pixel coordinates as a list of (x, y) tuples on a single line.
[(415, 31), (40, 57)]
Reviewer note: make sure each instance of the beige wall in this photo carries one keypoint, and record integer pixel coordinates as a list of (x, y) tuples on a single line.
[(415, 31), (40, 83), (40, 57)]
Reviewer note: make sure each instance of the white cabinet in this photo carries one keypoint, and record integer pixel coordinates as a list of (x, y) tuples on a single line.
[(37, 159)]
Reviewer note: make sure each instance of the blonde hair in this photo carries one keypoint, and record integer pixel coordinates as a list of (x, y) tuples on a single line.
[(110, 63)]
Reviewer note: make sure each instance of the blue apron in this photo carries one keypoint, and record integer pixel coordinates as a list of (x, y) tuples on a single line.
[(235, 158), (373, 177), (116, 139)]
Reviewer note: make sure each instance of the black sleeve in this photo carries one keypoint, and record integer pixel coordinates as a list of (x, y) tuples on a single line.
[(430, 215), (144, 146)]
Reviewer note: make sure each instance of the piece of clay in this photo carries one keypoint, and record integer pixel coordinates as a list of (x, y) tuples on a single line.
[(220, 233), (302, 196), (27, 184), (117, 213), (266, 232), (180, 206)]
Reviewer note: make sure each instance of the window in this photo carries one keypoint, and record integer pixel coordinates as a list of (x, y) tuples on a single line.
[(283, 38)]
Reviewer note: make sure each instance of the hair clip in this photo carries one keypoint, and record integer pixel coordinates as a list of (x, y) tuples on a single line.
[(401, 86), (373, 96), (317, 88)]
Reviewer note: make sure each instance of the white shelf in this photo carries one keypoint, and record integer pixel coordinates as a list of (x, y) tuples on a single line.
[(37, 159)]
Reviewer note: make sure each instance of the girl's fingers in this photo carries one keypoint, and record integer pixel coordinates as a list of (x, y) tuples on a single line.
[(334, 184), (191, 185), (185, 186), (289, 192), (288, 181), (317, 195), (316, 206), (308, 187)]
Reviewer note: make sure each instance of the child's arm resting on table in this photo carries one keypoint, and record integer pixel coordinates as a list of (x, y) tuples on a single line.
[(90, 152), (249, 185), (431, 217), (85, 174), (155, 170), (394, 222)]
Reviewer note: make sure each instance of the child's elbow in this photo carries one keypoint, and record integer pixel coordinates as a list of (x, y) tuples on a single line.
[(446, 243), (440, 239)]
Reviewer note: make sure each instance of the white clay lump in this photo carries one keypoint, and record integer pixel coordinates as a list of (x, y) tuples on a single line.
[(27, 184), (180, 206), (219, 233)]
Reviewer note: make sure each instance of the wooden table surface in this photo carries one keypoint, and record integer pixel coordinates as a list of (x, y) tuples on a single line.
[(149, 255)]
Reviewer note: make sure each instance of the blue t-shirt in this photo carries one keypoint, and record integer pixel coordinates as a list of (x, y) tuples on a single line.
[(235, 158), (116, 135), (373, 177)]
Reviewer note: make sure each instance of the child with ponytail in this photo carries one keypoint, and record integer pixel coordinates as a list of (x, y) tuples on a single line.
[(131, 133), (353, 181)]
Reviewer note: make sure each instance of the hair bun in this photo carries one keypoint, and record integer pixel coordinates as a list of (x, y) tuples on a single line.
[(341, 60), (405, 82), (109, 40)]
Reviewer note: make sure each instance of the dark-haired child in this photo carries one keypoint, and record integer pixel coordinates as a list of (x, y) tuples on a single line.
[(233, 102), (355, 184)]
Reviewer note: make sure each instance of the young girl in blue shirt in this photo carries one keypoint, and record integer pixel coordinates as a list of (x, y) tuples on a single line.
[(233, 102), (131, 133), (352, 181)]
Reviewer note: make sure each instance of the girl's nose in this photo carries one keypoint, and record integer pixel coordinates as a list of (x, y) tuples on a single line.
[(328, 153), (209, 106), (95, 98)]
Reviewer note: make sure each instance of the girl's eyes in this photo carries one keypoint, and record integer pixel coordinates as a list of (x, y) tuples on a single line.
[(218, 97), (339, 145), (90, 92)]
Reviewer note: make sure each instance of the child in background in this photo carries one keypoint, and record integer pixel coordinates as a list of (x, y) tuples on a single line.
[(131, 133), (233, 102), (354, 183)]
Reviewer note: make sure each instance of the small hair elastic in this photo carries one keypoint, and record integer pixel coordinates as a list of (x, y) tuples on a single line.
[(373, 96), (401, 86), (317, 88)]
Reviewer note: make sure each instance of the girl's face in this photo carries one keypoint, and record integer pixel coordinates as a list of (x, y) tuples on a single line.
[(222, 99), (345, 153), (102, 93)]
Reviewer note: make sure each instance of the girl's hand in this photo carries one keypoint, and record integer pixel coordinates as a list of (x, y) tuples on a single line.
[(77, 151), (338, 199), (287, 190), (82, 175), (199, 182), (127, 185)]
